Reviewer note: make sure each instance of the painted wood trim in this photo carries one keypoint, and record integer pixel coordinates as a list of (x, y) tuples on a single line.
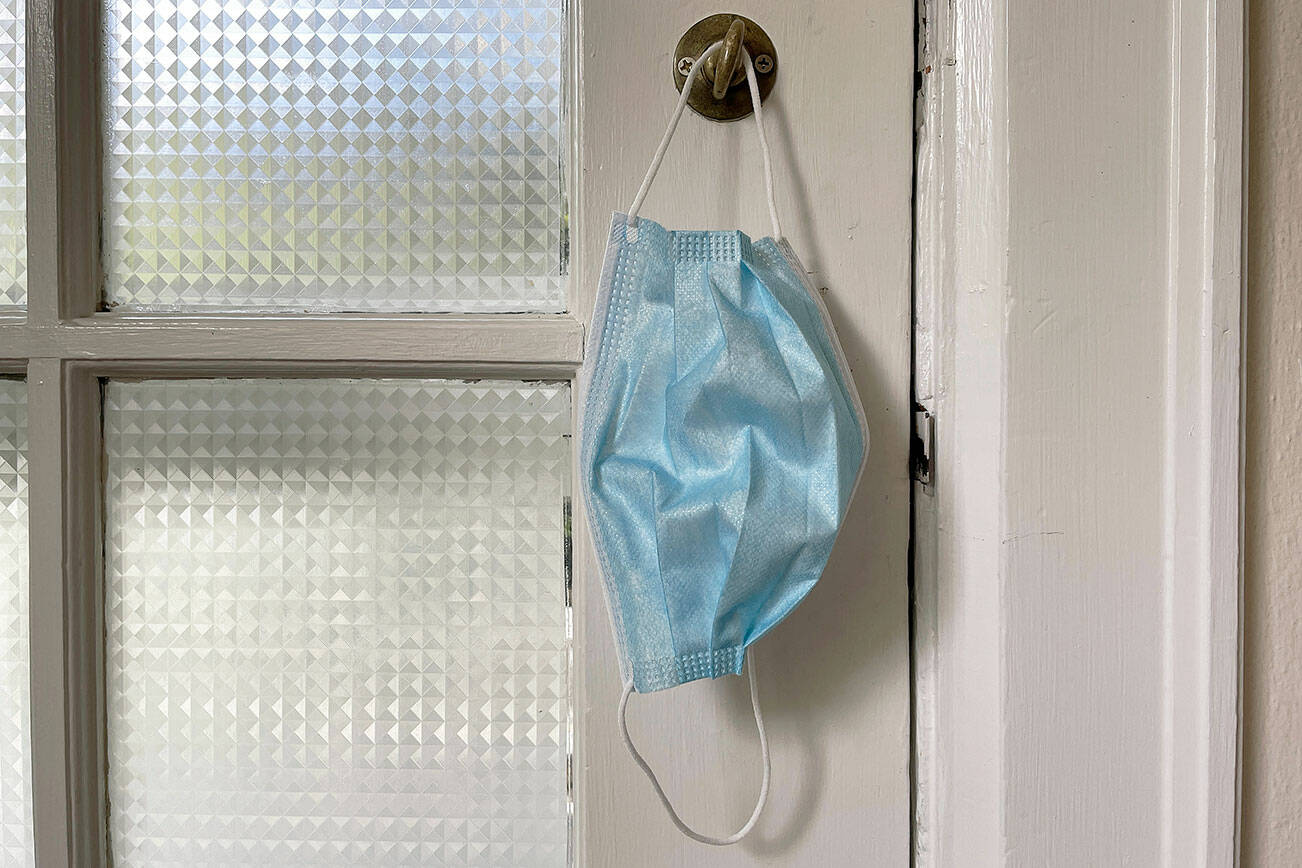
[(65, 530), (488, 341), (581, 299), (63, 159), (79, 151), (1204, 466), (42, 168), (67, 627), (961, 176), (969, 730)]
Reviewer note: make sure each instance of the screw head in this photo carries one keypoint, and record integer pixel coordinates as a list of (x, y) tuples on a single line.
[(763, 64), (685, 65)]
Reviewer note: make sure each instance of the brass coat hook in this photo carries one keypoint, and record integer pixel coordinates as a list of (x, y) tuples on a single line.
[(720, 69), (720, 91)]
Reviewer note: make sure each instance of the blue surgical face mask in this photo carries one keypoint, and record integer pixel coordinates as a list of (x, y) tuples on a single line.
[(722, 438)]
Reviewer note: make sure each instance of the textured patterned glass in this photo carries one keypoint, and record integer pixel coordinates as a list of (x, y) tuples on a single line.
[(15, 706), (393, 155), (13, 154), (336, 623)]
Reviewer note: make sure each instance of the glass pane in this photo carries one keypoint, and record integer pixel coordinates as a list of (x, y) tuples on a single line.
[(15, 705), (337, 622), (13, 153), (389, 155)]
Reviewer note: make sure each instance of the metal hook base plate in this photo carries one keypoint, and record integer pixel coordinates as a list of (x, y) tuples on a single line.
[(736, 102)]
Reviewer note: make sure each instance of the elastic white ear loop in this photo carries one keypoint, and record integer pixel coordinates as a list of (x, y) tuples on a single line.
[(664, 799), (755, 101), (753, 85), (669, 132)]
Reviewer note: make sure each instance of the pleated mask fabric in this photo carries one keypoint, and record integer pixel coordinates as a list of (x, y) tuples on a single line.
[(721, 441)]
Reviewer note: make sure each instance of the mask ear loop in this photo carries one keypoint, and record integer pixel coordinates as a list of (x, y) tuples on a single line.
[(752, 83), (664, 799)]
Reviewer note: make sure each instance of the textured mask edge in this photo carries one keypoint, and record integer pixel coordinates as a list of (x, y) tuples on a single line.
[(616, 239)]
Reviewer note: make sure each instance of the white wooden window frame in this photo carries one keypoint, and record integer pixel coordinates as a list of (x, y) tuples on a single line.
[(1076, 687), (64, 345)]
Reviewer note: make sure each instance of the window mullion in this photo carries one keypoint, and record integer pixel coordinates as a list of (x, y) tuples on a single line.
[(481, 345), (66, 600), (63, 160), (42, 192)]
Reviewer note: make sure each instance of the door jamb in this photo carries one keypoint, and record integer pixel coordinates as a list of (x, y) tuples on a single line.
[(962, 290)]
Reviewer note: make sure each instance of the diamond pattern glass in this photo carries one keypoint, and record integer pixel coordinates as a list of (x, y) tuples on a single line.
[(13, 153), (337, 622), (15, 705), (374, 155)]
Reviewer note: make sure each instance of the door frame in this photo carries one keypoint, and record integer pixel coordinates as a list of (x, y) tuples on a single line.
[(980, 730)]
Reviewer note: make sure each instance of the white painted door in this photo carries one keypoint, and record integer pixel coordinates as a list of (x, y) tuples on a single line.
[(241, 217), (834, 677)]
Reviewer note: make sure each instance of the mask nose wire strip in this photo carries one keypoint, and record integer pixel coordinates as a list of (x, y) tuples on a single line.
[(655, 782), (753, 85)]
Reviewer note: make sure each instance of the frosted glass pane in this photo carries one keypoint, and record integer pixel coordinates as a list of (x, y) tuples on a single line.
[(334, 155), (15, 704), (13, 153), (336, 623)]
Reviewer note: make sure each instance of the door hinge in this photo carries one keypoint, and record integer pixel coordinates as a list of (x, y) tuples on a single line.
[(921, 457)]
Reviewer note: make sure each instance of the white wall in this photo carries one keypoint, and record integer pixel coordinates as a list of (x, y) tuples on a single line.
[(1272, 736)]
